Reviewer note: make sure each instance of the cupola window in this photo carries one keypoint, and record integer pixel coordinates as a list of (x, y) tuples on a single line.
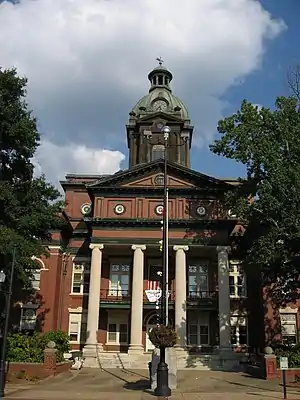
[(160, 79), (158, 152)]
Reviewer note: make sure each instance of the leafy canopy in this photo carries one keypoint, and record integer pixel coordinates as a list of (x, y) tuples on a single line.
[(29, 206), (267, 142)]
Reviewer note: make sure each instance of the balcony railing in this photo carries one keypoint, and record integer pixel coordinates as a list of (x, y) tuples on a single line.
[(201, 295), (115, 295)]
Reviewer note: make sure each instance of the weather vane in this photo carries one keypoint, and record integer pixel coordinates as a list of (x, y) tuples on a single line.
[(160, 60)]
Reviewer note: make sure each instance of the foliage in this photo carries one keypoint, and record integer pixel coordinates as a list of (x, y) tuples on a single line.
[(267, 201), (62, 342), (292, 352), (163, 336), (29, 205), (29, 348)]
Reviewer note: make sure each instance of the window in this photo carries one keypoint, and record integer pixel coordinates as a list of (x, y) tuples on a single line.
[(198, 329), (198, 281), (119, 280), (28, 317), (117, 333), (237, 284), (35, 279), (158, 152), (80, 279), (239, 331), (77, 327), (288, 328)]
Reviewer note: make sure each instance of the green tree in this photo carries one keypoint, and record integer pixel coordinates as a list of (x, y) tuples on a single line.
[(29, 205), (267, 142)]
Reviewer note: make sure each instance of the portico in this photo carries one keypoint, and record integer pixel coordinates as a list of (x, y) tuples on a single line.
[(194, 298)]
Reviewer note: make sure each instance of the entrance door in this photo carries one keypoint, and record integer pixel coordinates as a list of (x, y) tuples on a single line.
[(149, 344)]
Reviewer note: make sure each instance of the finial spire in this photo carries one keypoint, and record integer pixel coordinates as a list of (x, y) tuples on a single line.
[(160, 60)]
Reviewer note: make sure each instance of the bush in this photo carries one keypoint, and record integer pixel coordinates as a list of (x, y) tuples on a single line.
[(292, 352), (29, 348), (163, 336)]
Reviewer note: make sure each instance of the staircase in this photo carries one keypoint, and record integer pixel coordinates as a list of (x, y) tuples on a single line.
[(196, 362), (112, 360)]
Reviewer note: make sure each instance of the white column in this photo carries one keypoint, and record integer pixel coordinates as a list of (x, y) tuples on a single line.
[(180, 294), (224, 297), (94, 295), (136, 329)]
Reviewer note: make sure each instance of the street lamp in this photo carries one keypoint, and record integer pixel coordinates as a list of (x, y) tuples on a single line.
[(162, 389), (7, 314)]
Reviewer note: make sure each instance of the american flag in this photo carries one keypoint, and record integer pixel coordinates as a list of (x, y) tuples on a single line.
[(154, 277)]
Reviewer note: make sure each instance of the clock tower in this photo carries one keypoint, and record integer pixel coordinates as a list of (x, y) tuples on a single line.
[(158, 108)]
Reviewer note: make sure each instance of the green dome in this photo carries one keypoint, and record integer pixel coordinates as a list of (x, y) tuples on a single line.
[(160, 97)]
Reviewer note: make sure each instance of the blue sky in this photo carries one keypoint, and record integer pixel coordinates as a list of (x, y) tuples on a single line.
[(87, 64), (262, 86)]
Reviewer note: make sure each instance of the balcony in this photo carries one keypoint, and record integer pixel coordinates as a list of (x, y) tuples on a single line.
[(115, 298), (206, 299)]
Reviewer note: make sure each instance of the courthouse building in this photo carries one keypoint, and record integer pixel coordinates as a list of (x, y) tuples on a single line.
[(100, 281)]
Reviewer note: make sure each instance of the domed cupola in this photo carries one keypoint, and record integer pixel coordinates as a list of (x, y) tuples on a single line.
[(158, 108), (160, 97)]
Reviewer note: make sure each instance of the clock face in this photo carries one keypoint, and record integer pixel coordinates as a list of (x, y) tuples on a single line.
[(159, 105)]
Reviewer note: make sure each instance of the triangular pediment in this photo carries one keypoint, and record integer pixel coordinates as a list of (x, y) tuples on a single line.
[(161, 115), (150, 175), (156, 180)]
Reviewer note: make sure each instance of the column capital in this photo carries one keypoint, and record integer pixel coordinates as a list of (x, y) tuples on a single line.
[(96, 246), (223, 249), (138, 246), (181, 247)]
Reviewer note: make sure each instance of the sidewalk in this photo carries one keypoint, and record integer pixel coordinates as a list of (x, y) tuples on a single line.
[(94, 384)]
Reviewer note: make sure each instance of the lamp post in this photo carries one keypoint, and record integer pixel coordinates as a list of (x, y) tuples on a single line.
[(162, 389), (7, 314)]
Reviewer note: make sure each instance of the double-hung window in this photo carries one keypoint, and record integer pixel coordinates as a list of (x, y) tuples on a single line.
[(239, 330), (117, 333), (80, 278), (77, 327), (198, 281), (237, 281), (119, 280)]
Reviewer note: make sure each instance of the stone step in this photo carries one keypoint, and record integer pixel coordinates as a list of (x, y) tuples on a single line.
[(114, 360)]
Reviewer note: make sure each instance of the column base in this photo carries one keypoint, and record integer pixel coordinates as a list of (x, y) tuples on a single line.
[(136, 349), (91, 355)]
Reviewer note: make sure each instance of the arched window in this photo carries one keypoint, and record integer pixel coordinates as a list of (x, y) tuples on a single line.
[(158, 151)]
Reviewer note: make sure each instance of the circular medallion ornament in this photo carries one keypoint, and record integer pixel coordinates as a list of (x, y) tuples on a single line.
[(159, 210), (86, 209), (201, 211), (159, 180), (119, 209)]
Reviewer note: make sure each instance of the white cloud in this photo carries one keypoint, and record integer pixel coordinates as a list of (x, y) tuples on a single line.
[(55, 161), (87, 61)]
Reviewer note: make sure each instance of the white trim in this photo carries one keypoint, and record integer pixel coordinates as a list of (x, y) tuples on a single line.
[(82, 268), (117, 318), (40, 261), (78, 318), (241, 320), (236, 274)]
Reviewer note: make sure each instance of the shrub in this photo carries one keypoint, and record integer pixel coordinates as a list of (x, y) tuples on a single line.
[(292, 352), (29, 348), (62, 342), (163, 336)]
